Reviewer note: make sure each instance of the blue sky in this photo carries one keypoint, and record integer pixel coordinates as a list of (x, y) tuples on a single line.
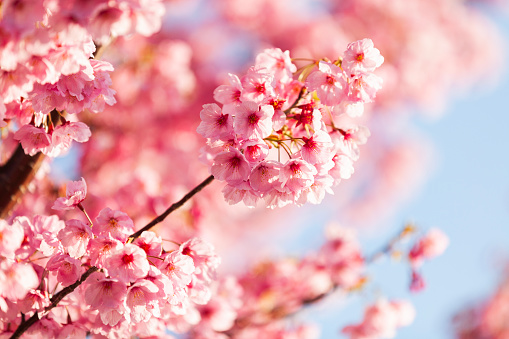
[(467, 196)]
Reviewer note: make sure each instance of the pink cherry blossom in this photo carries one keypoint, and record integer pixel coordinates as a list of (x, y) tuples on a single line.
[(150, 242), (361, 56), (277, 62), (178, 267), (127, 264), (63, 135), (265, 176), (296, 175), (214, 124), (100, 248), (33, 139), (230, 166), (115, 224), (229, 95), (205, 259), (429, 246), (253, 121), (11, 237), (67, 269), (317, 148), (329, 82), (381, 320), (257, 85), (255, 151), (16, 279), (142, 301), (45, 230), (104, 294), (76, 192), (75, 237)]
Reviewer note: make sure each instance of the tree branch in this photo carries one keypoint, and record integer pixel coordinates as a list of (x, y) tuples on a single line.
[(25, 325), (173, 207), (17, 173)]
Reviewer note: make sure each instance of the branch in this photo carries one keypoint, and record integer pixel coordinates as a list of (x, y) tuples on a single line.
[(25, 325), (17, 173), (173, 207), (54, 302)]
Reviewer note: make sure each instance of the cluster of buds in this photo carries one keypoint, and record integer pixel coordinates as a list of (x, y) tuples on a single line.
[(278, 138)]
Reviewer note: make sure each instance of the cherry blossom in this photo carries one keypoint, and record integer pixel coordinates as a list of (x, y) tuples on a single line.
[(76, 192)]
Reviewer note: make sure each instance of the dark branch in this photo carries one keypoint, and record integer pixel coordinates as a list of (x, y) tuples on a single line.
[(69, 289), (17, 173), (173, 207), (54, 302)]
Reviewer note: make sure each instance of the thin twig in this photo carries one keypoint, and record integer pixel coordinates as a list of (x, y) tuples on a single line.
[(173, 207), (25, 325)]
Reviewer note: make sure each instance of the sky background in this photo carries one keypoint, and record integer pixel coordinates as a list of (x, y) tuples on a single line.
[(467, 196)]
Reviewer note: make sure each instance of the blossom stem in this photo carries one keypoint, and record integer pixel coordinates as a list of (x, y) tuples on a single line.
[(82, 209), (173, 207)]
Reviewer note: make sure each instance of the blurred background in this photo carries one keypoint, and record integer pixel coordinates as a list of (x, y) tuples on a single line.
[(437, 156), (467, 196)]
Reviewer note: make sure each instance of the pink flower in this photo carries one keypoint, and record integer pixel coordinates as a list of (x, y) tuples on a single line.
[(150, 242), (16, 279), (100, 248), (240, 192), (229, 95), (35, 300), (68, 269), (127, 264), (104, 294), (63, 135), (277, 62), (257, 85), (178, 267), (381, 320), (417, 282), (32, 139), (75, 193), (231, 167), (431, 245), (297, 174), (317, 148), (341, 255), (255, 151), (329, 82), (218, 314), (45, 230), (252, 121), (265, 176), (205, 259), (11, 238), (361, 56), (363, 87), (142, 301), (115, 224), (75, 237), (214, 124)]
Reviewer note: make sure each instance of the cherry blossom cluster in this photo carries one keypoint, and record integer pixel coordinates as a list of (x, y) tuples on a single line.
[(259, 299), (429, 246), (381, 320), (275, 137), (47, 64), (138, 288)]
